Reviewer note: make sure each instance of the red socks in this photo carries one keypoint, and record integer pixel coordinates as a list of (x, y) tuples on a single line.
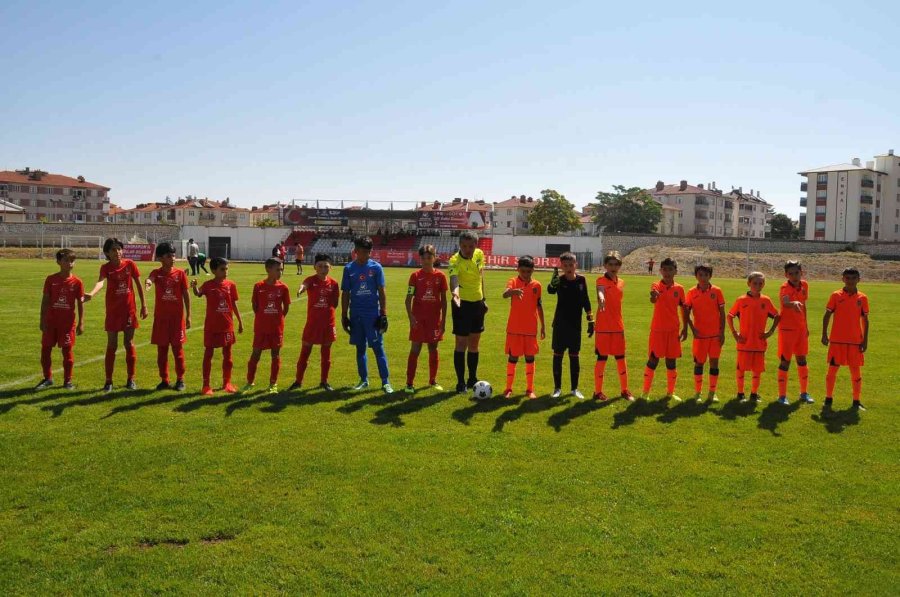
[(648, 379), (599, 369), (207, 365), (47, 362), (303, 361), (529, 376), (698, 383), (109, 363), (510, 375), (830, 379), (130, 360), (432, 366), (713, 380), (856, 382), (251, 368), (754, 382), (623, 374), (178, 353), (274, 369), (162, 362), (227, 365), (782, 382), (671, 378), (803, 374), (412, 362), (740, 381), (326, 362)]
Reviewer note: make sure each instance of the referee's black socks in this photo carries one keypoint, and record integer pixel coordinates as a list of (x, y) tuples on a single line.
[(459, 363), (472, 360)]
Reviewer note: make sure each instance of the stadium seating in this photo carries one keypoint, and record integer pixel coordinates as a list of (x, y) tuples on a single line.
[(303, 238)]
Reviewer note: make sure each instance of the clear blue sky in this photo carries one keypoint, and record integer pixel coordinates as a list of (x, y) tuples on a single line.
[(414, 101)]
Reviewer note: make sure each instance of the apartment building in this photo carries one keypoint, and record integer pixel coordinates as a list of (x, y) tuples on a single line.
[(851, 201), (708, 211), (186, 212), (54, 197), (511, 216)]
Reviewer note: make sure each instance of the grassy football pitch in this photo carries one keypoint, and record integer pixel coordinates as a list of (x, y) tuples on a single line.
[(146, 492)]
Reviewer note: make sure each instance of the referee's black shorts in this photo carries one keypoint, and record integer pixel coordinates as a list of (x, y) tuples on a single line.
[(566, 337), (468, 318)]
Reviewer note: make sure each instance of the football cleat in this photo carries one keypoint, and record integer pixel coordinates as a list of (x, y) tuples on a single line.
[(45, 383), (577, 393)]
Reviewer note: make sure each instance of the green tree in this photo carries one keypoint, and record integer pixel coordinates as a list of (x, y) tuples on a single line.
[(627, 210), (553, 214), (267, 223), (783, 227)]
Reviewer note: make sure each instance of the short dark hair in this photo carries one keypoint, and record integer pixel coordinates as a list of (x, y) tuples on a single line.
[(525, 261), (427, 250), (467, 235), (703, 267), (217, 262), (668, 262), (190, 240), (789, 264), (273, 261), (112, 243), (164, 249), (362, 242), (322, 257), (567, 256), (850, 271), (64, 254), (612, 255)]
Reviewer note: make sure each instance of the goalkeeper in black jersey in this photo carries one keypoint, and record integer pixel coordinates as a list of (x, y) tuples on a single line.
[(571, 289)]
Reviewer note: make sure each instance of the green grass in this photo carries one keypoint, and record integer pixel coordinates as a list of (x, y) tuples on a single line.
[(147, 492)]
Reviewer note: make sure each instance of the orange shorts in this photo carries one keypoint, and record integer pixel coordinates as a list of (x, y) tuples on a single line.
[(751, 360), (518, 345), (609, 343), (845, 354), (267, 341), (792, 342), (665, 345), (706, 348)]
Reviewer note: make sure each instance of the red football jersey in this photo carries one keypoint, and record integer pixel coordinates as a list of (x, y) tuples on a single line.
[(63, 295), (268, 302), (426, 289), (170, 291), (119, 289), (323, 299), (220, 300)]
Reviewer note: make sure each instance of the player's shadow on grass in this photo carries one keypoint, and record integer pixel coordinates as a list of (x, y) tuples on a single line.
[(637, 409), (379, 399), (392, 415), (836, 421), (58, 409), (464, 415), (527, 407), (684, 410), (28, 392), (215, 400), (560, 419), (775, 414), (734, 408), (5, 407), (166, 398)]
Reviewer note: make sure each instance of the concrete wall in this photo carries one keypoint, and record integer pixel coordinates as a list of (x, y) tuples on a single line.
[(247, 243), (29, 233)]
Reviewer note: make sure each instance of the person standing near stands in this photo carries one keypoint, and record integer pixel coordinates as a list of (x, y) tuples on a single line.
[(193, 250), (468, 307)]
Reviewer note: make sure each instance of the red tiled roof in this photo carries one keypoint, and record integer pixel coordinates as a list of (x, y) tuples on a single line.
[(516, 202), (48, 180), (674, 189), (470, 206)]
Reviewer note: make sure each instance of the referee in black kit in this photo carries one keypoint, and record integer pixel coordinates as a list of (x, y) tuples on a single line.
[(571, 288)]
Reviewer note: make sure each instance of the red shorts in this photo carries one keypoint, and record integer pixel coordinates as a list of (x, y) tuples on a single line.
[(845, 354), (706, 348), (750, 360), (518, 345), (609, 343), (121, 321), (665, 345), (319, 334), (168, 331), (792, 342), (64, 337), (267, 341), (426, 332), (218, 339)]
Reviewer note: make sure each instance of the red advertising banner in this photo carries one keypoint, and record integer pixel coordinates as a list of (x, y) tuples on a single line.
[(510, 261), (393, 257), (139, 252)]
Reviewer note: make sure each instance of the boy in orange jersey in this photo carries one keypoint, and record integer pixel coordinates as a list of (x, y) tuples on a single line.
[(218, 328), (271, 300), (171, 315), (667, 297), (609, 334), (63, 294), (426, 307), (849, 335), (121, 312), (707, 305), (753, 309), (525, 311), (324, 294), (793, 331)]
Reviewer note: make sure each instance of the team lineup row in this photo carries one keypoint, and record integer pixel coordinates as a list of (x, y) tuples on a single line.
[(362, 300)]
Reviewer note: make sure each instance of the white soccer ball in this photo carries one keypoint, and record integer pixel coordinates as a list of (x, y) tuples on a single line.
[(482, 390)]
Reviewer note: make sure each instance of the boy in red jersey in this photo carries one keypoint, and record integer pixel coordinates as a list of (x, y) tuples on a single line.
[(849, 335), (667, 297), (271, 300), (63, 294), (324, 296), (753, 309), (793, 331), (218, 329), (171, 315), (124, 278), (707, 305), (525, 310), (426, 307), (609, 336)]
